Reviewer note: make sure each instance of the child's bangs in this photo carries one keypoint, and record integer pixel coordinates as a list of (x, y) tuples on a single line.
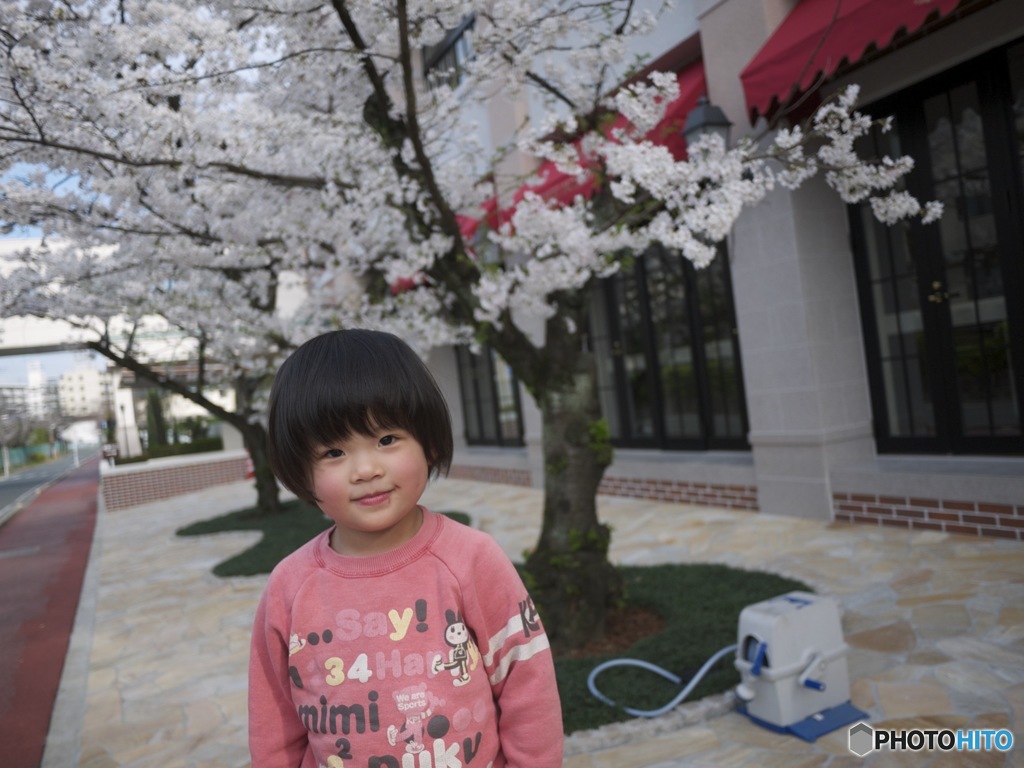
[(340, 420)]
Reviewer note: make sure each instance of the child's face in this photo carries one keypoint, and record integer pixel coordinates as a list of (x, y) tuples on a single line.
[(370, 486)]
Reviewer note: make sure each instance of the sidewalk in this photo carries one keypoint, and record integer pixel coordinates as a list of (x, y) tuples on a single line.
[(44, 549), (935, 624)]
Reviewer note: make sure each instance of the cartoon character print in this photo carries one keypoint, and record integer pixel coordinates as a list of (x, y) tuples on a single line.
[(417, 705), (456, 634)]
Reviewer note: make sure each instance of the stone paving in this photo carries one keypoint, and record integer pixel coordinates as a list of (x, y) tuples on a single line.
[(935, 625)]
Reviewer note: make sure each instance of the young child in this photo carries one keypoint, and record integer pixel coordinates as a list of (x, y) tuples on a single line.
[(398, 638)]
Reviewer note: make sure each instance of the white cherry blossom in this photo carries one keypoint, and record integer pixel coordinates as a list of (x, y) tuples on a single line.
[(182, 157)]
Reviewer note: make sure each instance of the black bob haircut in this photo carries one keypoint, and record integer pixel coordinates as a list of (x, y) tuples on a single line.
[(352, 382)]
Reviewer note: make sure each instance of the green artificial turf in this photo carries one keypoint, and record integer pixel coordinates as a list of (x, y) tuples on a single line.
[(282, 535), (700, 604)]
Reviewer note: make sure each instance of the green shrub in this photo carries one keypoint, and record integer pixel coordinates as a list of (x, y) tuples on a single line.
[(163, 451), (197, 446)]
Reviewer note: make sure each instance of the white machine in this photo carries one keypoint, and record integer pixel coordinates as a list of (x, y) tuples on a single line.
[(792, 662)]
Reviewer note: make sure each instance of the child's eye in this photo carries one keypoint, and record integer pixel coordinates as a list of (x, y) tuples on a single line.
[(333, 453), (388, 440)]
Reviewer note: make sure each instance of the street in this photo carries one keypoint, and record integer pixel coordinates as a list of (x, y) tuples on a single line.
[(24, 483)]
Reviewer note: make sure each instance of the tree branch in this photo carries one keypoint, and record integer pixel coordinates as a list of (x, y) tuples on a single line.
[(276, 179), (426, 169), (142, 370)]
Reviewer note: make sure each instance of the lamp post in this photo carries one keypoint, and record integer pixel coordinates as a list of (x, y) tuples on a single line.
[(124, 423), (4, 419), (704, 119)]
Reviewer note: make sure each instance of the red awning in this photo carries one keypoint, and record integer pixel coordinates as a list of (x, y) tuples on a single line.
[(820, 35), (552, 184)]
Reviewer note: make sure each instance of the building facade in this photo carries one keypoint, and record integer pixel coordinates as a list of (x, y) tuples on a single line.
[(85, 391), (823, 366), (36, 399)]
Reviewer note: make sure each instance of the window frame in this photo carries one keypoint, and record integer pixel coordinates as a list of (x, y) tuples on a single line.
[(456, 44), (990, 74), (708, 437), (481, 370)]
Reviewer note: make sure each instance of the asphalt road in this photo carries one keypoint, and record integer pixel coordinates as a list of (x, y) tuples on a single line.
[(23, 484)]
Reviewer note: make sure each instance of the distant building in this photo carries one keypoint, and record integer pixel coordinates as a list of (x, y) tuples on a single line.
[(35, 392), (36, 399), (12, 398), (84, 391)]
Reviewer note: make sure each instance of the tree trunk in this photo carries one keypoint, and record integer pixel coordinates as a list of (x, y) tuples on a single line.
[(268, 494), (254, 436), (569, 575)]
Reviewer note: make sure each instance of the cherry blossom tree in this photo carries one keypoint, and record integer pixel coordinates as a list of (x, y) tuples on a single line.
[(186, 159)]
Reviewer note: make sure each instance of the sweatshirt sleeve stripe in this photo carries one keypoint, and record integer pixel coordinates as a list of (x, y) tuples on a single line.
[(519, 653), (497, 642)]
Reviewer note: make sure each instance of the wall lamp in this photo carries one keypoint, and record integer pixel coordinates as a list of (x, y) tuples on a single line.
[(704, 119)]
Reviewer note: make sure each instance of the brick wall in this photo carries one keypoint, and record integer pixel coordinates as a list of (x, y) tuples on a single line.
[(728, 496), (964, 517), (970, 518), (132, 485), (490, 474)]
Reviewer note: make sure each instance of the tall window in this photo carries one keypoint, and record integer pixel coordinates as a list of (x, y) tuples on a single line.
[(944, 327), (444, 63), (668, 356), (490, 399)]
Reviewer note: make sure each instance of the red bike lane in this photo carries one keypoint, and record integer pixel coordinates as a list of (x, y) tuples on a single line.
[(44, 550)]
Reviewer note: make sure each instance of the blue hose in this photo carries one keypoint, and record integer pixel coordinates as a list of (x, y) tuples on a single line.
[(657, 670)]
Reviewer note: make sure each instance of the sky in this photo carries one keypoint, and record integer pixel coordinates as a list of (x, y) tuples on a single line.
[(14, 369)]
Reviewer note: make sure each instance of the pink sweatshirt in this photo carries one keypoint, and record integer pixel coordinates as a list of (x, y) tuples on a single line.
[(428, 656)]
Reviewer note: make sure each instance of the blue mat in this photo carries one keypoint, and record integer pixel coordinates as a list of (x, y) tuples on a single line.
[(810, 728)]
